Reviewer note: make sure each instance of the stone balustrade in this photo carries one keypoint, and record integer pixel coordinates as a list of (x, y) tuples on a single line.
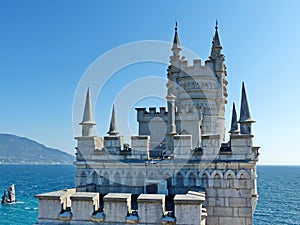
[(71, 207)]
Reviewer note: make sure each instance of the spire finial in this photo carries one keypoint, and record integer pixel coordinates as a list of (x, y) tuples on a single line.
[(234, 125), (245, 111), (176, 42), (216, 43), (87, 122), (113, 125), (88, 113)]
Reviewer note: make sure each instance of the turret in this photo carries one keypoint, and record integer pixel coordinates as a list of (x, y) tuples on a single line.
[(173, 74), (217, 58), (87, 120), (234, 124), (216, 44), (113, 125), (245, 117), (176, 46), (217, 65), (113, 143)]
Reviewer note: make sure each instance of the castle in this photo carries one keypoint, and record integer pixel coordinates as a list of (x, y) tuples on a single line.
[(178, 169)]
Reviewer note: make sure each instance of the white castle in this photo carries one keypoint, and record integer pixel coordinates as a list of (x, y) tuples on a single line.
[(178, 170)]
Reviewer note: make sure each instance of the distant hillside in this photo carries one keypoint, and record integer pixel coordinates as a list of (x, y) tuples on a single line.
[(14, 149)]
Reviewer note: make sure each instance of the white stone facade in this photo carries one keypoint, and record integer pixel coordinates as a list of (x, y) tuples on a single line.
[(178, 169)]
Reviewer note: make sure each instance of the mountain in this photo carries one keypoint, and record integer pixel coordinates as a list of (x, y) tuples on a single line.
[(14, 149)]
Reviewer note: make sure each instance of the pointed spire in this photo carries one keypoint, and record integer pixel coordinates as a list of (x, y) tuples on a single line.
[(176, 42), (245, 111), (88, 112), (113, 126), (216, 40), (234, 125)]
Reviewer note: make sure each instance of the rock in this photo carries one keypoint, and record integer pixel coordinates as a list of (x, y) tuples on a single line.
[(9, 195)]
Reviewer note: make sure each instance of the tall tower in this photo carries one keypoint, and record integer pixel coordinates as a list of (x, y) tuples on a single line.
[(173, 74), (218, 66)]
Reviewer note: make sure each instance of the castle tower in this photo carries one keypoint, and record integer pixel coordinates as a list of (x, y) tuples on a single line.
[(245, 118), (87, 122), (87, 143), (218, 66)]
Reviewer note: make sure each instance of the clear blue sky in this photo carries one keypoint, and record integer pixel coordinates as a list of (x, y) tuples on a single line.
[(46, 46)]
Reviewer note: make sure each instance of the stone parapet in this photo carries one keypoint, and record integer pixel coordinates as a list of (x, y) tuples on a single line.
[(51, 204), (188, 209), (84, 204), (117, 207), (182, 146), (151, 208)]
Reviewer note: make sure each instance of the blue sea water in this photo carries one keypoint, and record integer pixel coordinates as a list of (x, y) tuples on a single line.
[(278, 189)]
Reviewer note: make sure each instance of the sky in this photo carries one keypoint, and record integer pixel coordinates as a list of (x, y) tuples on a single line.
[(47, 47)]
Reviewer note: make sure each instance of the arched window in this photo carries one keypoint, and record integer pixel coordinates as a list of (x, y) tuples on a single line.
[(204, 181), (217, 181), (230, 181), (83, 178), (105, 180), (94, 177), (117, 178), (192, 180), (180, 180)]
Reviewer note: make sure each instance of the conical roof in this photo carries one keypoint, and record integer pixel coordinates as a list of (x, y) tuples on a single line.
[(113, 126), (234, 124), (176, 42), (88, 112), (245, 111)]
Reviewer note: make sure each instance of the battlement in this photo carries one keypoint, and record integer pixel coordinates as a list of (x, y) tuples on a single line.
[(144, 115), (68, 206), (196, 68)]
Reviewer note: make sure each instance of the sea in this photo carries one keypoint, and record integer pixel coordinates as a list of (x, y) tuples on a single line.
[(278, 189)]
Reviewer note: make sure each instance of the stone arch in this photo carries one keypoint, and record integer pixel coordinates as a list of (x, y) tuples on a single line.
[(242, 177), (204, 180), (180, 179), (216, 172), (128, 178), (229, 173), (217, 176), (242, 174), (105, 178), (84, 177), (230, 176), (117, 177), (139, 179), (191, 178), (94, 177)]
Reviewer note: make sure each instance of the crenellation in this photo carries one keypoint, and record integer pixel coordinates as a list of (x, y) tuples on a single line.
[(197, 63)]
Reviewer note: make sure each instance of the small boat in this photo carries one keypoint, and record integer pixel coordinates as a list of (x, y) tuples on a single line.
[(9, 195)]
